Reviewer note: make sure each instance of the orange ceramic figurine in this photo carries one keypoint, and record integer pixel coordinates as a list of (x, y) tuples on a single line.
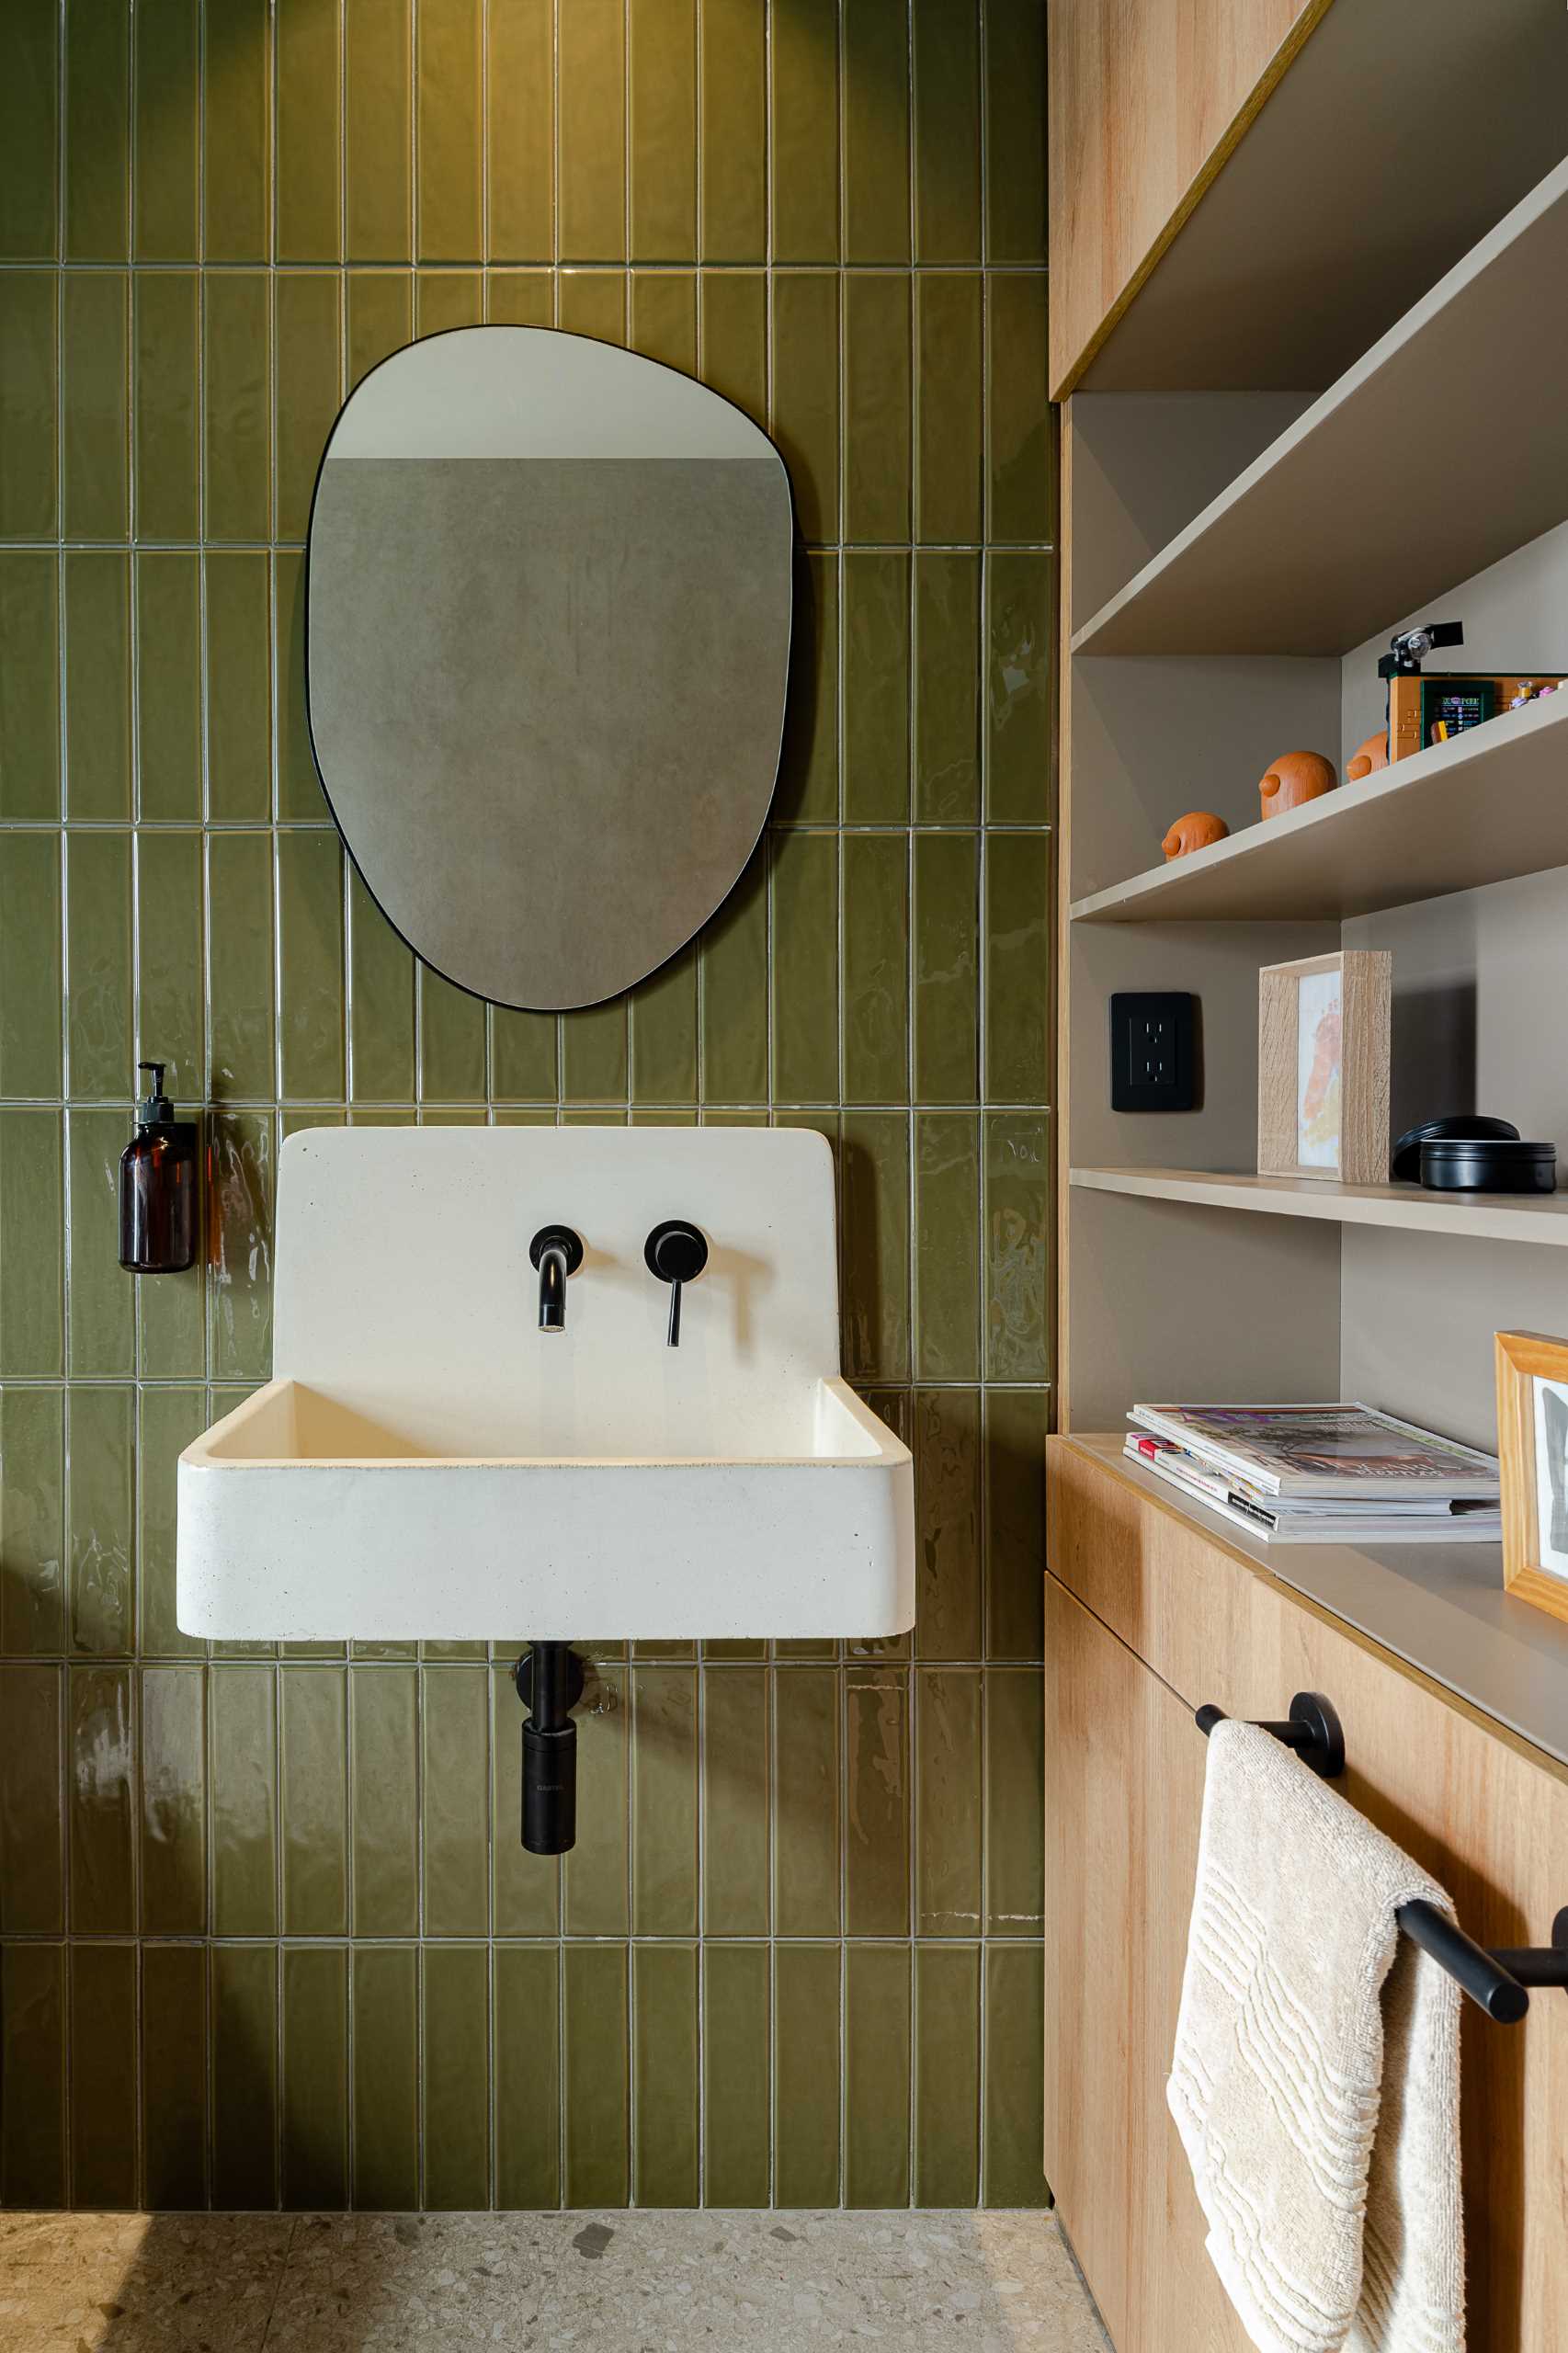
[(1371, 755), (1195, 831), (1295, 776)]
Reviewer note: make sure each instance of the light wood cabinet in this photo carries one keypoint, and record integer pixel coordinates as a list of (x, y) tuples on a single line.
[(1147, 1617)]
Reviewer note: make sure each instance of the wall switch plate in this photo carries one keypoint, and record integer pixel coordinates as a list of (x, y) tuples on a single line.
[(1153, 1056)]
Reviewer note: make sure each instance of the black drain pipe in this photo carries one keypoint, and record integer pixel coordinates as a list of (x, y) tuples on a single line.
[(550, 1683)]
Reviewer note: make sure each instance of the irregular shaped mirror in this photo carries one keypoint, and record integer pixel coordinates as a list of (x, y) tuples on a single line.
[(547, 638)]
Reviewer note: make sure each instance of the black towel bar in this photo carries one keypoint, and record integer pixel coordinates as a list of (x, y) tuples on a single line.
[(1498, 1980)]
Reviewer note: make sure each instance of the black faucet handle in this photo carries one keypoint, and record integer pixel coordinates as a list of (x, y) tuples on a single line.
[(676, 1252)]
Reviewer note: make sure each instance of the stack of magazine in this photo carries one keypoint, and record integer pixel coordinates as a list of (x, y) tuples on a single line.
[(1322, 1475)]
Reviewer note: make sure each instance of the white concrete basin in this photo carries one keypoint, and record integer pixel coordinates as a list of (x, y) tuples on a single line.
[(426, 1463)]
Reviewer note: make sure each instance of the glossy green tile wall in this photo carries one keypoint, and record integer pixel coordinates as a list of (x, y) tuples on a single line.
[(267, 1934)]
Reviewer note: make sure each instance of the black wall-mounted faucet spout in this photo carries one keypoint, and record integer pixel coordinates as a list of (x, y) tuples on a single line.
[(676, 1252), (556, 1252)]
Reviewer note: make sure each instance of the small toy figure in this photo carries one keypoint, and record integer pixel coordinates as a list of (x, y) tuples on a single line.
[(1369, 756), (1295, 776), (1195, 831)]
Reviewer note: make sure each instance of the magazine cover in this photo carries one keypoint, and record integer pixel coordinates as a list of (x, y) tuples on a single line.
[(1348, 1449)]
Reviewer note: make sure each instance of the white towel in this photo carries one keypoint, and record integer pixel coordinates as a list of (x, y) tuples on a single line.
[(1334, 2215)]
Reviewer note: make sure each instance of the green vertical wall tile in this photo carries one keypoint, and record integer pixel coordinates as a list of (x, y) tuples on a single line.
[(595, 1870), (455, 1784), (733, 306), (451, 1041), (29, 686), (806, 2058), (666, 2155), (100, 1776), (239, 964), (166, 332), (595, 2094), (733, 965), (1015, 2076), (98, 1004), (808, 770), (103, 2077), (662, 77), (32, 2054), (876, 689), (946, 2075), (448, 145), (528, 2075), (310, 923), (736, 2036), (32, 1332), (32, 1519), (32, 1890), (299, 787), (236, 155), (173, 2077), (946, 1515), (877, 1995), (1015, 144), (99, 1302), (877, 405), (169, 684), (591, 102), (805, 975), (309, 332), (664, 318), (1015, 1823), (97, 132), (314, 2120), (947, 687), (948, 1779), (946, 1247), (947, 406), (876, 131), (522, 298), (519, 130), (380, 997), (876, 968), (385, 2030), (663, 1802), (100, 1429), (734, 39), (242, 1747), (169, 927), (244, 2075), (448, 298), (97, 686), (805, 131), (455, 2021), (376, 110), (379, 311), (522, 1055), (593, 301), (1019, 470), (173, 1847), (30, 965), (30, 395), (877, 1788), (1018, 687), (1017, 1207), (874, 1240), (167, 86), (805, 394), (1015, 1424), (237, 399), (735, 1781), (947, 131), (384, 1776), (95, 380), (594, 1054), (664, 1034), (308, 160), (313, 1800), (239, 686), (1018, 967), (807, 1780)]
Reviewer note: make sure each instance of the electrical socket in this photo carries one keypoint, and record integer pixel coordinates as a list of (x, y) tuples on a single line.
[(1153, 1056)]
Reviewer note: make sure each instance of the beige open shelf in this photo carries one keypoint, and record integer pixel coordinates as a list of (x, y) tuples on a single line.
[(1484, 1217), (1440, 450), (1486, 808)]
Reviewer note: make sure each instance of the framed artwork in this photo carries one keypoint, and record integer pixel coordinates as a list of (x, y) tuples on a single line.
[(1532, 1446), (1322, 1067)]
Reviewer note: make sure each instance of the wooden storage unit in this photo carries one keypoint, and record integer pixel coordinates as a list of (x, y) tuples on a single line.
[(1148, 1617)]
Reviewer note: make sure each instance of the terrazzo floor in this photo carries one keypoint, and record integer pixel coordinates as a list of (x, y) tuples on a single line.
[(623, 2282)]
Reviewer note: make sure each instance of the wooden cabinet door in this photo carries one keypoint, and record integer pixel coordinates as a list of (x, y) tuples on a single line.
[(1124, 1794)]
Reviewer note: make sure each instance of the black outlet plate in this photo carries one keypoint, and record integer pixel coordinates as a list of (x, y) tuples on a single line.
[(1154, 1051)]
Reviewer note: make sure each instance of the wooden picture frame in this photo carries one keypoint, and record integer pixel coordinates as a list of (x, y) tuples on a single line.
[(1318, 1117), (1525, 1360)]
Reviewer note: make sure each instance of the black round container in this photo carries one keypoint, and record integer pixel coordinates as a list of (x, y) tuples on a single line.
[(1487, 1165), (1406, 1169)]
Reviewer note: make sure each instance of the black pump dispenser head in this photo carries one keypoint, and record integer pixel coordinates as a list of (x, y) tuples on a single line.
[(157, 1107)]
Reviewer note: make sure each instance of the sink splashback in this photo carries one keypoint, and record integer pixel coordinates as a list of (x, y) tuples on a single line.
[(404, 1294)]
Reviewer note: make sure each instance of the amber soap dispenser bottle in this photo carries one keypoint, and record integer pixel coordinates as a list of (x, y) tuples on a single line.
[(157, 1188)]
